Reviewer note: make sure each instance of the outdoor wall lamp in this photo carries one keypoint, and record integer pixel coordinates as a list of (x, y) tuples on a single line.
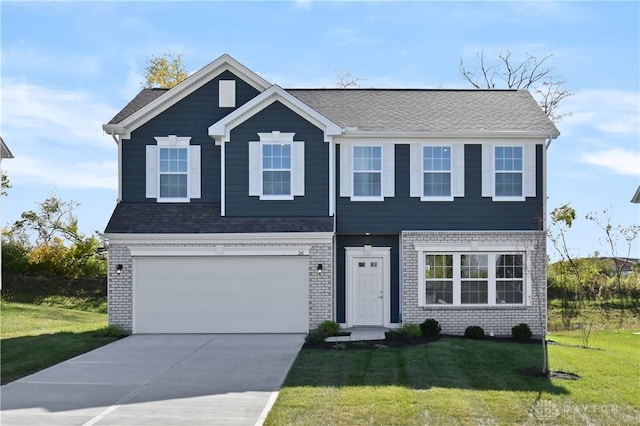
[(119, 269), (319, 268)]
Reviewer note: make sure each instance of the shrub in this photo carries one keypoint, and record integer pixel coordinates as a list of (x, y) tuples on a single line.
[(112, 331), (521, 332), (329, 328), (407, 331), (315, 338), (430, 327), (474, 332)]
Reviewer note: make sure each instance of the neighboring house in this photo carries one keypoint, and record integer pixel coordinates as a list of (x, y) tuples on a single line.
[(4, 153), (246, 207)]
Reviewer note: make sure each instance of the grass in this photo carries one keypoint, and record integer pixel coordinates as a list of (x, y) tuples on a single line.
[(462, 381), (34, 337)]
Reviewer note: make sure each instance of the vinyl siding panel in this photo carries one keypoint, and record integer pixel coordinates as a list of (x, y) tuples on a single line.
[(471, 212), (192, 116), (277, 117)]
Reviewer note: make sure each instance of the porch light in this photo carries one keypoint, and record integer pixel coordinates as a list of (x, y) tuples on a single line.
[(319, 268), (119, 269)]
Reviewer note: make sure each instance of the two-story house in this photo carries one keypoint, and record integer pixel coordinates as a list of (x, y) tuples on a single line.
[(245, 207)]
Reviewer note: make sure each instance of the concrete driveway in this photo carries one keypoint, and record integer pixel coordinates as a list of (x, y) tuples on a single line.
[(201, 379)]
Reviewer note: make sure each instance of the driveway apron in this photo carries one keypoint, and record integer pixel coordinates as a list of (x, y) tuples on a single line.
[(191, 379)]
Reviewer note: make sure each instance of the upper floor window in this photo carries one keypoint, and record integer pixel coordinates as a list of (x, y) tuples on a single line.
[(436, 166), (367, 171), (173, 169), (276, 167), (436, 171), (509, 172)]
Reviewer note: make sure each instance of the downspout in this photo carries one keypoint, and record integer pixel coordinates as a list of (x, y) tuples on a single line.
[(119, 144)]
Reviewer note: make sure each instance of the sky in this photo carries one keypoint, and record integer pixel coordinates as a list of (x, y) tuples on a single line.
[(67, 68)]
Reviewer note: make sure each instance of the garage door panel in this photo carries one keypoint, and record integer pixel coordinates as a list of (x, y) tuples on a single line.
[(248, 294)]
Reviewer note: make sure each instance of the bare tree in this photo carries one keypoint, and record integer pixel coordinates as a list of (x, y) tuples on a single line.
[(347, 80), (532, 73)]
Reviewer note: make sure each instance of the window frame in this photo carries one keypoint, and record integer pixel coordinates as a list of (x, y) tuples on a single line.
[(169, 173), (380, 172), (153, 169), (492, 281), (449, 197), (529, 170), (496, 172), (263, 169)]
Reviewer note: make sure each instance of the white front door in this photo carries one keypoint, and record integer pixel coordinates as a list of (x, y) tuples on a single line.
[(367, 291)]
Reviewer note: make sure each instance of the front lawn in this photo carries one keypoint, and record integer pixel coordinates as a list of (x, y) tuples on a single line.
[(461, 381), (34, 337)]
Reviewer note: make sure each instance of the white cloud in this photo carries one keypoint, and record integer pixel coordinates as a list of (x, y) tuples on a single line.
[(37, 112), (619, 161), (612, 112), (64, 174)]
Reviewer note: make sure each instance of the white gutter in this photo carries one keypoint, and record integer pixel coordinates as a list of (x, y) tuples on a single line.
[(117, 141)]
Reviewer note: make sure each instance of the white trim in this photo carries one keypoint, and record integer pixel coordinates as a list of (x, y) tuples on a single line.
[(184, 89), (230, 238), (405, 137), (218, 250), (528, 170), (173, 140), (223, 182), (221, 130), (332, 178), (226, 93), (372, 252)]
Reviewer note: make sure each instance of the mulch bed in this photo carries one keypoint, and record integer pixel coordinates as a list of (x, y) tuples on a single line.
[(392, 341)]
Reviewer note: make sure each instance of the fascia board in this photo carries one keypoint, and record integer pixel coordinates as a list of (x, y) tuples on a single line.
[(184, 89), (447, 134), (226, 238), (221, 130)]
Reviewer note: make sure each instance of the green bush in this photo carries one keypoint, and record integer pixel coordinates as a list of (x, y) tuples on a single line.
[(521, 332), (315, 337), (112, 331), (329, 328), (430, 327), (408, 331), (474, 332)]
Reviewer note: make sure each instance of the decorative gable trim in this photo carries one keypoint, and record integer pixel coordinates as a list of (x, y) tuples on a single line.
[(221, 131), (184, 89)]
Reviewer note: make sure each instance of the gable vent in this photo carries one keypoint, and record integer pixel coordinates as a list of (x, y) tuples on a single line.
[(227, 94)]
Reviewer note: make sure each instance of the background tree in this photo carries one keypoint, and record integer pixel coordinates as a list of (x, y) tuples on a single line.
[(531, 73), (164, 71), (49, 241), (346, 80), (5, 183)]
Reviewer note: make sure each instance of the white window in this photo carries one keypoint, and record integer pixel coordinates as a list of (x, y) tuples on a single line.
[(276, 167), (509, 172), (367, 171), (470, 278), (173, 170), (437, 171)]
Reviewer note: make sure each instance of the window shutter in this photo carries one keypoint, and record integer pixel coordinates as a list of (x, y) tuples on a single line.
[(529, 175), (194, 174), (255, 161), (152, 172), (487, 170), (297, 172), (388, 170), (457, 177), (415, 170), (345, 170)]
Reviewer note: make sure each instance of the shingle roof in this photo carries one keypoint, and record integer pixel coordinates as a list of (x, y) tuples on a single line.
[(201, 218), (414, 110), (410, 110), (141, 99)]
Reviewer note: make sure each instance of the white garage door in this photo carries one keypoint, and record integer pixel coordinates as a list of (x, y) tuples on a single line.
[(225, 294)]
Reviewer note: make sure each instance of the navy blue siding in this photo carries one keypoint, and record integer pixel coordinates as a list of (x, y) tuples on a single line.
[(191, 116), (343, 241), (472, 212), (277, 117)]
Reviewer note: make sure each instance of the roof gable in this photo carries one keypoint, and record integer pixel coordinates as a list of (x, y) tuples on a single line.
[(151, 102), (221, 131)]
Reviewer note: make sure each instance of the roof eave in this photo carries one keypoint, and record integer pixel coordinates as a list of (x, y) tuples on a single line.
[(348, 132)]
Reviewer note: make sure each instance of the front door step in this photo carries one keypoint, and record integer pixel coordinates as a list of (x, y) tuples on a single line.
[(360, 334)]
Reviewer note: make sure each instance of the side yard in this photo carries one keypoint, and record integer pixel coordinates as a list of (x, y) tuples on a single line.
[(34, 337), (462, 381)]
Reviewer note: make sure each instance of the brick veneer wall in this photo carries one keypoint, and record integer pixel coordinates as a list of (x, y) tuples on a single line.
[(496, 319), (120, 290)]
